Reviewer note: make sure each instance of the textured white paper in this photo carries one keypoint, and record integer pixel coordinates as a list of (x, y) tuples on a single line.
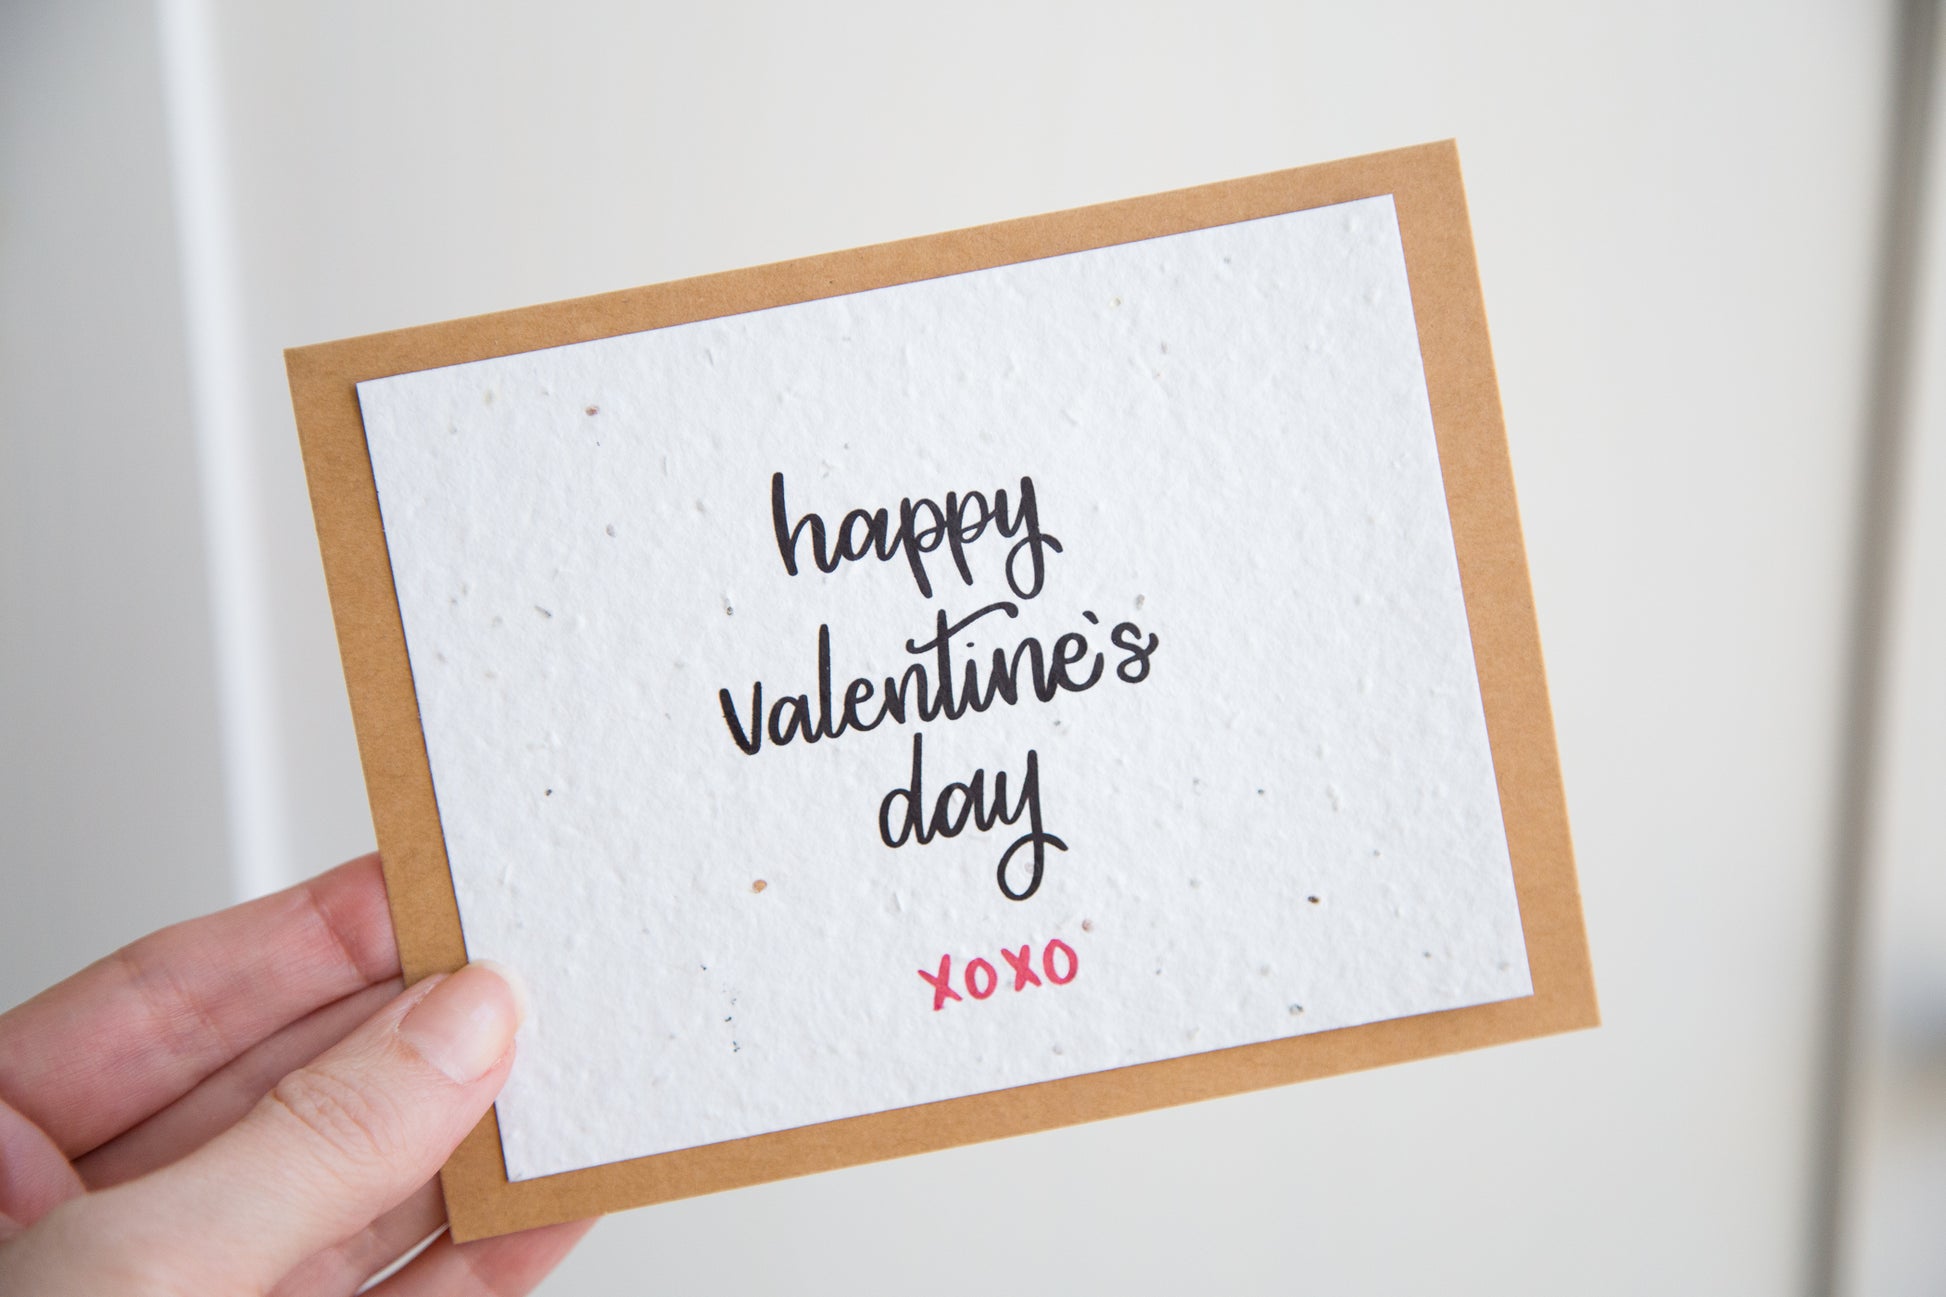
[(1290, 825)]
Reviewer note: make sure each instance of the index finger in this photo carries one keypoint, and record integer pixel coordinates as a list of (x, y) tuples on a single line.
[(123, 1038)]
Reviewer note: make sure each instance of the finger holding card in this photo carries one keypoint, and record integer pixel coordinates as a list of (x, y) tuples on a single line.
[(956, 688)]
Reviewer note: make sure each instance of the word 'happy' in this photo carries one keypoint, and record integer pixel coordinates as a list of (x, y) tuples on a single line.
[(959, 522)]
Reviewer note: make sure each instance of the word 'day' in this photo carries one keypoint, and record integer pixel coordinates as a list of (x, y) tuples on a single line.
[(1057, 965)]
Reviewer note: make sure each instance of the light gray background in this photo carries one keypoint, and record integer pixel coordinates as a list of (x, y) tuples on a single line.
[(1677, 208)]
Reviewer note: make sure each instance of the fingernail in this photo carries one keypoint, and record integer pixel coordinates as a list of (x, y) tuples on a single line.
[(522, 1005), (466, 1024)]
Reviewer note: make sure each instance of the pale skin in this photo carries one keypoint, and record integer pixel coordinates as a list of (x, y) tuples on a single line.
[(250, 1104)]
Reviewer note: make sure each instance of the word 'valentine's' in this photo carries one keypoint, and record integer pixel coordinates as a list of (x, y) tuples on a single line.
[(943, 684)]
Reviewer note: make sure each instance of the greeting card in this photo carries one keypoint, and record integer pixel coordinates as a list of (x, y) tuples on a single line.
[(955, 688)]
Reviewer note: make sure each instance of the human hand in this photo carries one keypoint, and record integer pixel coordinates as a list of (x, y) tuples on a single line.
[(247, 1104)]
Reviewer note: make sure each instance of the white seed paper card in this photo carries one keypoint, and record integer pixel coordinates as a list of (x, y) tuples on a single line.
[(958, 687)]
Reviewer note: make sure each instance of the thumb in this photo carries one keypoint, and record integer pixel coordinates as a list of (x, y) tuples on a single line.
[(337, 1142), (35, 1176)]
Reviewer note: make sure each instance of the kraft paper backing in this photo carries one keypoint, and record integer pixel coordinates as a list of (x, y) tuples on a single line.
[(1426, 188)]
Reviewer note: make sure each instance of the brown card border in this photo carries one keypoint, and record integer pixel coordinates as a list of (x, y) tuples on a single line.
[(1425, 184)]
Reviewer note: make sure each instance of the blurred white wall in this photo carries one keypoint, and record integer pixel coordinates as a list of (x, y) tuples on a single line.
[(111, 789), (1676, 207), (1899, 1185)]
